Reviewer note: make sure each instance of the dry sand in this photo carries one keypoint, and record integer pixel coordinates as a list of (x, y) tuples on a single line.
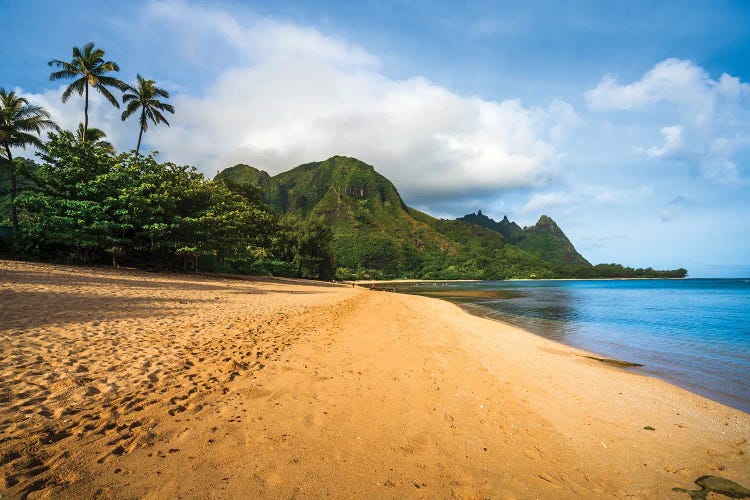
[(127, 384)]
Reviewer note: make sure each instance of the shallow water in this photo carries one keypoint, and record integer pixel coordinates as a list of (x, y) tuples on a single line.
[(695, 332)]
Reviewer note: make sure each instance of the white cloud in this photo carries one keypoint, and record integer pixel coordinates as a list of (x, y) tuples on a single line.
[(606, 197), (673, 81), (701, 119), (296, 95), (541, 201), (672, 142), (258, 35)]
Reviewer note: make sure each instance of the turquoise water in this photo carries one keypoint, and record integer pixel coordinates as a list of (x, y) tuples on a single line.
[(694, 333)]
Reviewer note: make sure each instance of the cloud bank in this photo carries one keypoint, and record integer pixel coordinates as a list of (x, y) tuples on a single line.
[(280, 94), (703, 121), (295, 95)]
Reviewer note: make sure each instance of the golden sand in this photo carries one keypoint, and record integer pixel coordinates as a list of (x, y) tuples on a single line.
[(128, 384)]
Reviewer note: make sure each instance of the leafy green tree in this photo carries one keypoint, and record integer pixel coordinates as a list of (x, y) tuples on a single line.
[(145, 96), (89, 69), (314, 257), (20, 124), (73, 211), (307, 245), (90, 203)]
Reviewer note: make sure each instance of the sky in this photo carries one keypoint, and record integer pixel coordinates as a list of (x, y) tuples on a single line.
[(628, 122)]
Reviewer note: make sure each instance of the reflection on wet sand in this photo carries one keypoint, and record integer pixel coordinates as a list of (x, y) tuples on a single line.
[(550, 314)]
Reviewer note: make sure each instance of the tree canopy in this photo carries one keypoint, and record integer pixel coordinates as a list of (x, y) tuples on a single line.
[(20, 126)]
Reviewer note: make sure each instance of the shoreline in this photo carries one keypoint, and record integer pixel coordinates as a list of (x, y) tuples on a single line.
[(135, 384), (646, 370), (663, 371), (417, 281)]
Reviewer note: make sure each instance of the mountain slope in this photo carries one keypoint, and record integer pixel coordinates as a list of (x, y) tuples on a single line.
[(510, 230), (377, 235), (545, 239), (271, 191)]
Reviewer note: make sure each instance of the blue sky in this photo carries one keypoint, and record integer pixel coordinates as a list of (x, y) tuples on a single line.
[(627, 122)]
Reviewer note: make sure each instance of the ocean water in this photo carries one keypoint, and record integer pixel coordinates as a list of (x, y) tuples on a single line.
[(694, 333)]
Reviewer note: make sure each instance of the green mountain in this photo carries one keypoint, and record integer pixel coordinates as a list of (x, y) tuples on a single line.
[(545, 239), (271, 191), (375, 234)]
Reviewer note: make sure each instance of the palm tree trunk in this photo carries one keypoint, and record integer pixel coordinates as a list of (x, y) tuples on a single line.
[(86, 112), (13, 192), (140, 132), (138, 146)]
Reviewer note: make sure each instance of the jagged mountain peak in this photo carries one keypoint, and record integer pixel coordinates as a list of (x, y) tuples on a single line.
[(545, 239)]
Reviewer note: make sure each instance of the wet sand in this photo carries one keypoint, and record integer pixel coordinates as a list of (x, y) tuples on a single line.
[(128, 384)]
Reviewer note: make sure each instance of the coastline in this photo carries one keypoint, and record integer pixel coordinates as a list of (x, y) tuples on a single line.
[(311, 390), (414, 281), (406, 281), (649, 371), (672, 370)]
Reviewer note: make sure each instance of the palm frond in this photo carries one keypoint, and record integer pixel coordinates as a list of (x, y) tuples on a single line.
[(131, 108), (10, 99), (18, 120), (158, 117), (77, 51), (109, 66), (23, 139), (112, 82), (58, 63), (78, 86), (144, 95), (65, 74), (31, 111), (144, 119), (163, 106), (89, 67), (106, 93)]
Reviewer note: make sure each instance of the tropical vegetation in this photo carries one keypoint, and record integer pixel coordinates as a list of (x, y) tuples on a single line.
[(85, 202), (20, 125)]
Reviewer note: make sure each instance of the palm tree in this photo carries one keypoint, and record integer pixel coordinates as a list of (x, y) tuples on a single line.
[(88, 64), (145, 95), (95, 137), (18, 119)]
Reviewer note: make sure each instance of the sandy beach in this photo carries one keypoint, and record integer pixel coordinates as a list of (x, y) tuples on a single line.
[(126, 384)]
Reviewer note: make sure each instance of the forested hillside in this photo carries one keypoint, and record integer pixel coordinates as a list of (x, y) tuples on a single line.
[(375, 235)]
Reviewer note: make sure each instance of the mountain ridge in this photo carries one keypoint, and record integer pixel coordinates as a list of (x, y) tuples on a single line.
[(544, 239), (376, 235)]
